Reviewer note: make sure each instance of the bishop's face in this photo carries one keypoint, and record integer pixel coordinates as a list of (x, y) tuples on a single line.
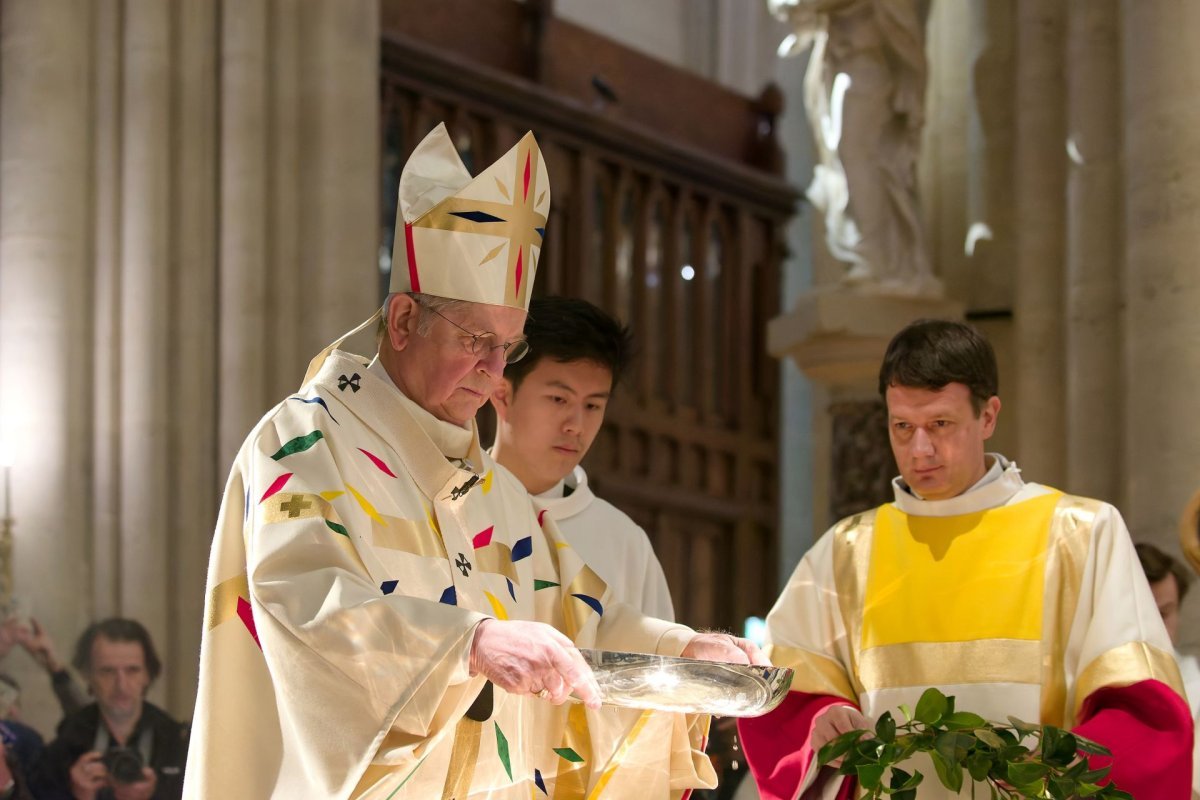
[(938, 439), (438, 370)]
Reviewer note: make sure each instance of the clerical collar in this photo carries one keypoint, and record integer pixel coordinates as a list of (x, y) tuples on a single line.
[(997, 486), (568, 497), (565, 487), (453, 440)]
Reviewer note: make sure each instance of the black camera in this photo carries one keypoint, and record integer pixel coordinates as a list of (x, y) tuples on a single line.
[(124, 764)]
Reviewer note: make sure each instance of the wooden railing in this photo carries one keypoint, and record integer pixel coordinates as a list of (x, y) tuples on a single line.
[(667, 211)]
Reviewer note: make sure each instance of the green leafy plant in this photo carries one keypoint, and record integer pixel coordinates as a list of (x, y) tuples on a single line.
[(1017, 760)]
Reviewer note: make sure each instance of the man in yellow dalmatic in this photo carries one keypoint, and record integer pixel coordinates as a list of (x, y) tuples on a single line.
[(1014, 597), (388, 616)]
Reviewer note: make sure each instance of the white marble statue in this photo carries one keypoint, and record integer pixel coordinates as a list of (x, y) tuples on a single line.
[(864, 93)]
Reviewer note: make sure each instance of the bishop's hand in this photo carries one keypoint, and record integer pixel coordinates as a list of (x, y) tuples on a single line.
[(532, 658), (726, 648)]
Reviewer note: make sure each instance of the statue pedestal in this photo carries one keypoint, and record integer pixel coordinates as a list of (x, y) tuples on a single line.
[(837, 336)]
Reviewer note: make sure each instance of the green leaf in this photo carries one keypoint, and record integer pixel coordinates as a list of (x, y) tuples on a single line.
[(954, 746), (906, 712), (951, 775), (837, 747), (1023, 728), (905, 794), (1090, 747), (931, 707), (978, 764), (990, 738), (1093, 775), (1026, 772), (1061, 788), (1008, 736), (869, 748), (870, 775), (885, 728), (1037, 789), (963, 719), (1063, 752), (901, 780)]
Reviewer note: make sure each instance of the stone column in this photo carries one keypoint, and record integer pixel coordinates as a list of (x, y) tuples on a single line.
[(1094, 242), (45, 289), (1162, 173), (106, 301), (340, 184), (144, 302), (991, 233), (1039, 195), (193, 368), (245, 152)]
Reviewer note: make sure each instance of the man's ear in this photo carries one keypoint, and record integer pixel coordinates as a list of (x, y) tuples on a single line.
[(991, 411), (403, 314), (502, 398)]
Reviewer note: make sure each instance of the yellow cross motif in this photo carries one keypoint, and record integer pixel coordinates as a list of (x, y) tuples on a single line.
[(519, 222), (294, 506)]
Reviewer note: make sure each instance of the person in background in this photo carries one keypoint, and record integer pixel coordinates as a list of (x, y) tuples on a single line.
[(1169, 582), (36, 641), (550, 408), (120, 747)]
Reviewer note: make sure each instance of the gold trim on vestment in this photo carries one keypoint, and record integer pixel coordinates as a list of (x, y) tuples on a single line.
[(463, 757), (814, 673), (1066, 556), (409, 536), (895, 666), (851, 563), (615, 763), (586, 582), (571, 782), (1125, 665), (496, 558), (1189, 531), (224, 600)]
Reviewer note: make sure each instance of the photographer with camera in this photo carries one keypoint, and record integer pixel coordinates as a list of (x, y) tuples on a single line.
[(120, 747)]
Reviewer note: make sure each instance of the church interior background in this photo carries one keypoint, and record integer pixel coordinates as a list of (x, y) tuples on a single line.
[(195, 197)]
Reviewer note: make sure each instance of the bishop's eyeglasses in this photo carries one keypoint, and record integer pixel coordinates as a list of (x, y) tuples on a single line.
[(481, 343)]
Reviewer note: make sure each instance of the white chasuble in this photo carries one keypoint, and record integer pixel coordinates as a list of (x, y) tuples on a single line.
[(351, 563)]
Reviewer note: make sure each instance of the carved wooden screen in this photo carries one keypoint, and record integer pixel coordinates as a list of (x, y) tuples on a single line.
[(683, 245)]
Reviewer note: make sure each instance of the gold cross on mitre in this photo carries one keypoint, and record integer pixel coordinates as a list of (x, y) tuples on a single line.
[(451, 229)]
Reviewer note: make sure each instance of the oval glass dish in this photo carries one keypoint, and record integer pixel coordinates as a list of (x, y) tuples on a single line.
[(641, 680)]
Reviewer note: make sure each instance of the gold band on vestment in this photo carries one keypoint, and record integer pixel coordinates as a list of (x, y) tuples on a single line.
[(1125, 665), (464, 754)]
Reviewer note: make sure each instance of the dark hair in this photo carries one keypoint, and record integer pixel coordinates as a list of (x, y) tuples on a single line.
[(116, 629), (570, 329), (933, 353), (1158, 565)]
